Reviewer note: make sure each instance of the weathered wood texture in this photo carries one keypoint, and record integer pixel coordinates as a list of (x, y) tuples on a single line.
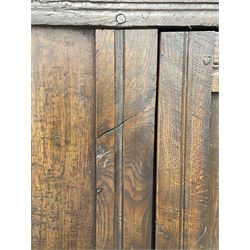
[(126, 14), (93, 136), (63, 138), (183, 165), (125, 136)]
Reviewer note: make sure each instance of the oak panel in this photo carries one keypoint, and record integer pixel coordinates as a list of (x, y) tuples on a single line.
[(140, 62), (126, 145), (185, 84), (63, 138), (169, 141), (200, 69)]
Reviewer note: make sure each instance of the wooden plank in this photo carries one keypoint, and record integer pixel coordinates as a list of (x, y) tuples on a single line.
[(213, 215), (183, 140), (128, 147), (63, 138), (126, 14), (199, 77), (138, 136), (169, 141), (105, 151)]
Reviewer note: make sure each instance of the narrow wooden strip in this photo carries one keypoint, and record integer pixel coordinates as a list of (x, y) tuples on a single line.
[(213, 198), (119, 86), (63, 138), (138, 136), (105, 179), (200, 66), (170, 140), (125, 14), (105, 144)]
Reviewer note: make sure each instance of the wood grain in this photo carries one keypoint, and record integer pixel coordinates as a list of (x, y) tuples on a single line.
[(63, 139), (169, 141), (105, 81), (185, 83), (128, 147), (138, 133), (105, 188), (199, 77)]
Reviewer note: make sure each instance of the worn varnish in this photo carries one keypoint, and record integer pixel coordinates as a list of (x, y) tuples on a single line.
[(63, 139), (183, 168)]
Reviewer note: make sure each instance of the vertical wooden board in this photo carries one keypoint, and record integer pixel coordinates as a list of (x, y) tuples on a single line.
[(186, 65), (63, 138), (105, 143), (213, 215), (169, 141), (130, 105), (140, 70), (199, 78)]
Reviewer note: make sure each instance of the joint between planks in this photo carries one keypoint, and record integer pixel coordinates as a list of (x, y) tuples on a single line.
[(183, 138)]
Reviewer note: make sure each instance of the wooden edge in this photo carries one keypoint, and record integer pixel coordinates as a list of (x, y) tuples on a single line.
[(125, 14)]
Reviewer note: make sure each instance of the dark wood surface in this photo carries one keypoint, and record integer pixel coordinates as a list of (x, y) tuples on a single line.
[(169, 141), (95, 181), (63, 138), (183, 163), (126, 88)]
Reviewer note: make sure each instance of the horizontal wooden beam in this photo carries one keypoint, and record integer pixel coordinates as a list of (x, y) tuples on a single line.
[(126, 14)]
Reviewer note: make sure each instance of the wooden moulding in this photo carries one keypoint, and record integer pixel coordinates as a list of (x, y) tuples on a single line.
[(126, 14)]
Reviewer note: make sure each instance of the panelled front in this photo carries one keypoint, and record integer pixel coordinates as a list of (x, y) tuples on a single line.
[(124, 139), (94, 95)]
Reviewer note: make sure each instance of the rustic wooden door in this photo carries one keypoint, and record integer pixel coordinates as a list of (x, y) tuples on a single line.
[(124, 139)]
